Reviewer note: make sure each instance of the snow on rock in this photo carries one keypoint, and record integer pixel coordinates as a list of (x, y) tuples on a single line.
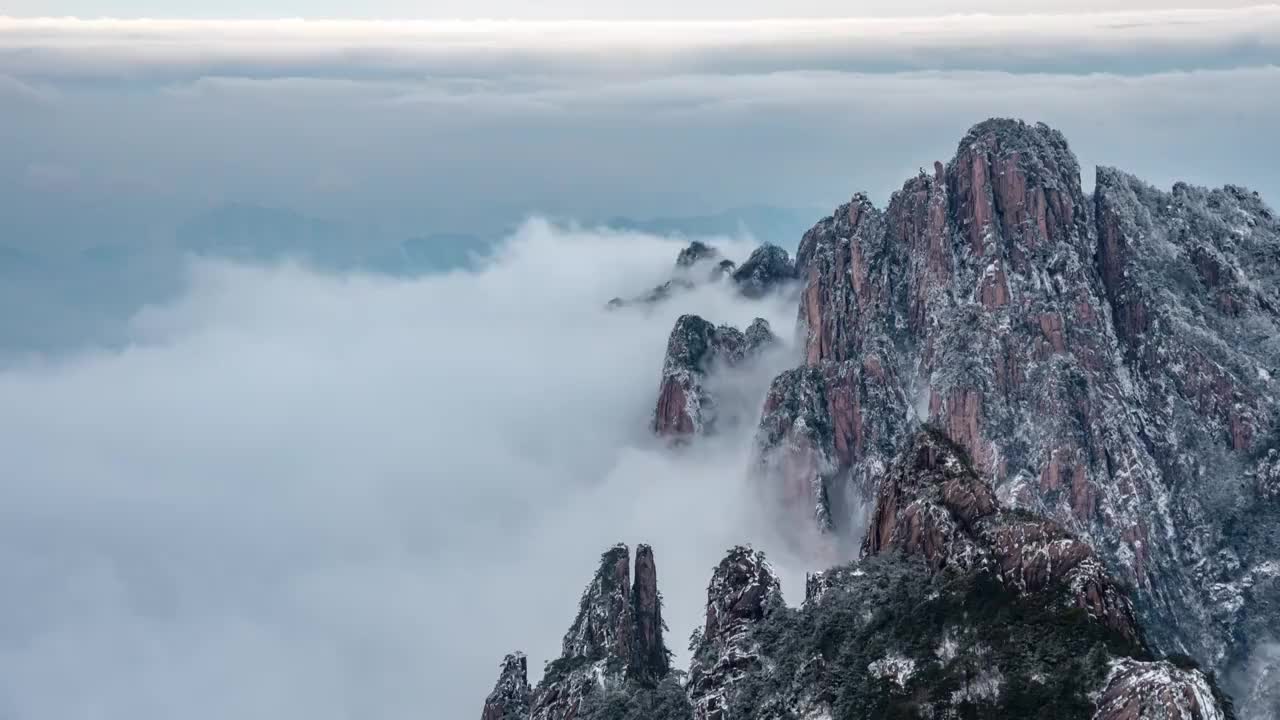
[(897, 668), (933, 505), (983, 687), (1157, 691), (1106, 362), (615, 642), (743, 590), (686, 405), (510, 697), (1266, 477), (769, 268)]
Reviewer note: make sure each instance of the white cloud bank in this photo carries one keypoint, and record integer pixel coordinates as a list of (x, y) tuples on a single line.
[(465, 126), (1127, 41), (305, 495)]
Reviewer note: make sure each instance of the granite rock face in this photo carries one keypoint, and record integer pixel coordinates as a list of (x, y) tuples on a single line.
[(687, 406), (932, 504), (744, 589), (1108, 362), (1157, 690)]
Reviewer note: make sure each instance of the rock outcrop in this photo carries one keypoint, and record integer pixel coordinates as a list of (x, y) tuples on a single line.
[(686, 405), (615, 644), (933, 505), (961, 607), (768, 269), (696, 252), (510, 697), (1138, 690), (743, 590), (650, 660)]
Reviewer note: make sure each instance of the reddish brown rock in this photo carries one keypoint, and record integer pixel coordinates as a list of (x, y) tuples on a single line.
[(1109, 364), (933, 505), (1139, 690), (685, 406), (650, 660)]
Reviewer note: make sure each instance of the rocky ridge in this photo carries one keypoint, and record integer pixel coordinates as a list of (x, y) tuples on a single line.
[(952, 613), (769, 268), (1096, 484)]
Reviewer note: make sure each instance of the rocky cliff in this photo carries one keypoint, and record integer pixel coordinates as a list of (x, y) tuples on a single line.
[(1049, 424), (1108, 362), (686, 405)]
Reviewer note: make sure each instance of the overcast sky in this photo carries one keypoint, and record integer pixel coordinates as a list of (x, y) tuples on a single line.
[(117, 131), (582, 8)]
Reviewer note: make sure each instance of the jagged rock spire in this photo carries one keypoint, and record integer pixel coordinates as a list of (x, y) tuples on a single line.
[(743, 589), (615, 641), (696, 347), (603, 627), (510, 697), (650, 660), (1089, 358)]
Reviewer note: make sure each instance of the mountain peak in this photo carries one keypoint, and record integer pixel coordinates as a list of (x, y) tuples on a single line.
[(768, 268), (686, 406), (510, 697), (602, 629), (615, 641), (650, 661)]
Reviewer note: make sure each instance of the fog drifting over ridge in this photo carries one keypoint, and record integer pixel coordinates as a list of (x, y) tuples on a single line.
[(332, 496)]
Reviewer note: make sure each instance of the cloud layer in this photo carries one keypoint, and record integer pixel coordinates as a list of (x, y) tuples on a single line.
[(469, 126), (1129, 42), (308, 495)]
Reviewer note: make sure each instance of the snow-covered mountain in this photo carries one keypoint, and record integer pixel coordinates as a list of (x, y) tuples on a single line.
[(1047, 423)]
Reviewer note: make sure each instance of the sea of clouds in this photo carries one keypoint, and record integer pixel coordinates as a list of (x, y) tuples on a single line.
[(298, 494)]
